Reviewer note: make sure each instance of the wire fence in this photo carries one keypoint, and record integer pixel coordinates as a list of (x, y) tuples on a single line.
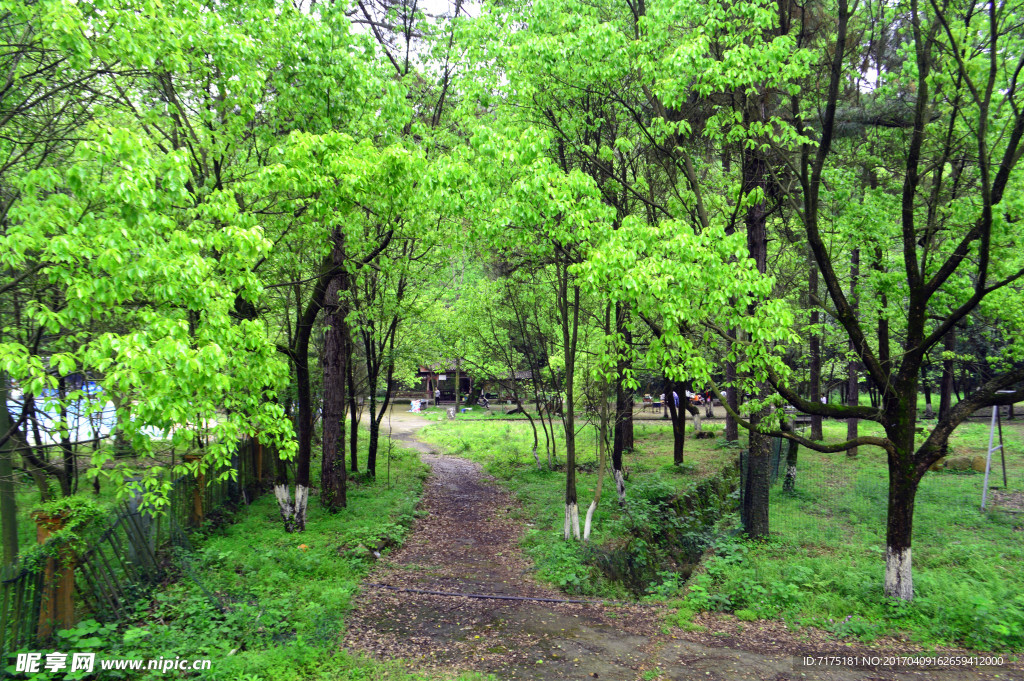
[(832, 499), (127, 552)]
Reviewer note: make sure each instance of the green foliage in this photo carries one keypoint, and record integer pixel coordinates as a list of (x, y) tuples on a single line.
[(636, 550), (830, 577), (74, 515), (266, 604)]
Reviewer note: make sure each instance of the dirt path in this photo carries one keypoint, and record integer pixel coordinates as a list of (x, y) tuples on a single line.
[(468, 543)]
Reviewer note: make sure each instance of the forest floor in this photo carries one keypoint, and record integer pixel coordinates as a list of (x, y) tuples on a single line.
[(468, 543)]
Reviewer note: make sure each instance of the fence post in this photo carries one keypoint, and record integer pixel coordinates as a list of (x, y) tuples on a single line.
[(195, 517), (57, 607)]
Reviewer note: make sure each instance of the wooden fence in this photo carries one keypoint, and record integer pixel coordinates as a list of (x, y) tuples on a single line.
[(126, 554), (21, 595)]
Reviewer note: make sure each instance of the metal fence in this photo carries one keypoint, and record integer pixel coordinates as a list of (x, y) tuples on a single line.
[(130, 550), (836, 497), (776, 465)]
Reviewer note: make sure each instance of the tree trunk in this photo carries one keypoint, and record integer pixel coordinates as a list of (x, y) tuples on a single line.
[(376, 417), (792, 450), (353, 410), (373, 367), (68, 477), (815, 343), (602, 456), (732, 398), (333, 476), (853, 385), (623, 430), (458, 386), (678, 422), (533, 427), (294, 513), (8, 500), (903, 481), (754, 511), (570, 329), (373, 443), (305, 434), (929, 413), (946, 385)]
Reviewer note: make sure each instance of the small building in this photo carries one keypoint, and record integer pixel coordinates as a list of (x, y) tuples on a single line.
[(442, 376)]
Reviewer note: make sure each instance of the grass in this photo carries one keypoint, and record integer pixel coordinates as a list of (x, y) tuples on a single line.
[(825, 562), (264, 604)]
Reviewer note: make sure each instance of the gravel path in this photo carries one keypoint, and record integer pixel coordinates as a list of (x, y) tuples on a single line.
[(468, 543)]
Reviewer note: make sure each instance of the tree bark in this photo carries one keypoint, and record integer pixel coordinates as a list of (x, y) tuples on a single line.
[(294, 512), (732, 398), (853, 383), (946, 385), (926, 385), (754, 511), (792, 451), (903, 481), (570, 313), (353, 409), (815, 350), (623, 430), (305, 433), (333, 476), (8, 500), (678, 422)]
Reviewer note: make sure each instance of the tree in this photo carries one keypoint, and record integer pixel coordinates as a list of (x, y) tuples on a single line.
[(951, 256)]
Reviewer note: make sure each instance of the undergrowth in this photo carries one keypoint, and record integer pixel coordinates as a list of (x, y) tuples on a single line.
[(266, 605), (636, 550), (824, 564)]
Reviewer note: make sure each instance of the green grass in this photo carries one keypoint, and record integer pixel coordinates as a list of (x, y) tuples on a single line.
[(825, 562), (266, 605), (823, 566)]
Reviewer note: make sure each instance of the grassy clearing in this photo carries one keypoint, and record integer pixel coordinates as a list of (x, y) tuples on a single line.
[(622, 537), (265, 605), (825, 563)]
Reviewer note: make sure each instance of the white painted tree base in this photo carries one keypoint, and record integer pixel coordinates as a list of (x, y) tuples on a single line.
[(301, 500), (899, 580), (572, 521), (586, 524), (620, 487), (284, 503), (294, 515)]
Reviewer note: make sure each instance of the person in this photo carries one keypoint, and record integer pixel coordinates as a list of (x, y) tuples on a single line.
[(437, 396), (675, 398), (484, 403)]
